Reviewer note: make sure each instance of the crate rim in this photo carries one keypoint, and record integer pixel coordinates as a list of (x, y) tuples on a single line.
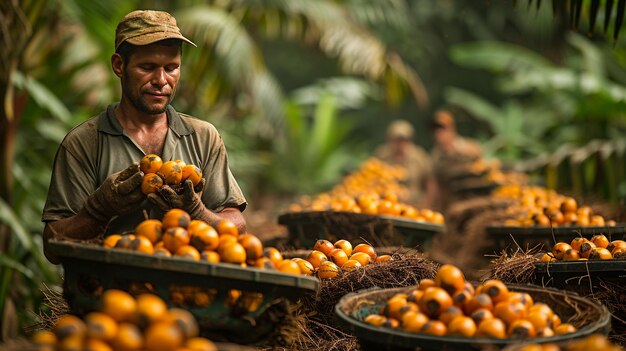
[(91, 252)]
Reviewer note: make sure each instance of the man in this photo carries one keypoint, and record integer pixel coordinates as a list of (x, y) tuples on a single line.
[(400, 150), (452, 153), (94, 190)]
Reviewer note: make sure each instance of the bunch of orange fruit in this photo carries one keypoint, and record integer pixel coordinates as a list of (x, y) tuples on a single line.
[(449, 305), (126, 323), (581, 249), (537, 206), (592, 342), (328, 260), (178, 235), (175, 172), (374, 189)]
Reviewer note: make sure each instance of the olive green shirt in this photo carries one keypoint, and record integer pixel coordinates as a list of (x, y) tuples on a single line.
[(100, 147)]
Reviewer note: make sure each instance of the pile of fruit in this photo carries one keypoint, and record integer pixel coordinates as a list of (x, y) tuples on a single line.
[(124, 323), (174, 173), (374, 189), (449, 305), (327, 260), (593, 342), (581, 249), (537, 206)]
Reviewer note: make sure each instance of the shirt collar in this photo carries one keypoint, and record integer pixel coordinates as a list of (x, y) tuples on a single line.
[(110, 125)]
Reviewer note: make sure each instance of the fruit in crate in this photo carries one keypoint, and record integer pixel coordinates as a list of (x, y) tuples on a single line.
[(373, 189), (449, 305), (125, 323), (581, 249)]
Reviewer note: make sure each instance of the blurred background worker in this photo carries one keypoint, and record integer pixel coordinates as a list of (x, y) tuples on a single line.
[(451, 154), (401, 151)]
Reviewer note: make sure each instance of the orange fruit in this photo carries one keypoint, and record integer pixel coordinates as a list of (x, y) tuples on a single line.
[(196, 225), (175, 238), (450, 278), (203, 237), (128, 338), (289, 266), (383, 258), (316, 258), (150, 163), (192, 173), (273, 255), (185, 321), (363, 258), (200, 344), (522, 329), (142, 244), (111, 240), (450, 314), (462, 326), (163, 336), (253, 246), (477, 301), (434, 327), (151, 183), (305, 266), (100, 326), (509, 312), (96, 345), (171, 172), (189, 252), (161, 251), (151, 229), (338, 256), (327, 270), (150, 309), (226, 227), (44, 338), (564, 328), (365, 248), (210, 256), (232, 252), (323, 246), (264, 263), (124, 241), (68, 325), (176, 218), (491, 328), (351, 265), (413, 322), (344, 245), (600, 240), (118, 304), (434, 302)]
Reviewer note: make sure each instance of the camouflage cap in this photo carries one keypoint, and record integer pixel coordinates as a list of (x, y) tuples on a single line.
[(145, 27), (400, 129)]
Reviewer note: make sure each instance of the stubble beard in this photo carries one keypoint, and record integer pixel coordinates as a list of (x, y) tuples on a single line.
[(139, 103)]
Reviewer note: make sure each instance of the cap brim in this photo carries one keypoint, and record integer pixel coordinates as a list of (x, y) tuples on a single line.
[(150, 38)]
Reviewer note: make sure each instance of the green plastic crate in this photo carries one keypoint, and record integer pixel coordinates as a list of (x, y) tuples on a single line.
[(90, 269)]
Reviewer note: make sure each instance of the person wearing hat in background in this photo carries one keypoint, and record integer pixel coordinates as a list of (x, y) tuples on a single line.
[(450, 154), (400, 150), (93, 189)]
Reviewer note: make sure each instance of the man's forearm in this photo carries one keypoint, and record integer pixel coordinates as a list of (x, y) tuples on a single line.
[(229, 213)]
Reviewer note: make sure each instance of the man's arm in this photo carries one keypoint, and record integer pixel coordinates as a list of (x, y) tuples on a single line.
[(230, 213), (80, 226)]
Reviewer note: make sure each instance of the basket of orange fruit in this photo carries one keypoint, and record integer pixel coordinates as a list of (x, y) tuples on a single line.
[(541, 216), (228, 280), (449, 313)]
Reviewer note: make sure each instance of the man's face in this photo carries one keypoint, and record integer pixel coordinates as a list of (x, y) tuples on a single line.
[(150, 77), (444, 136), (399, 144)]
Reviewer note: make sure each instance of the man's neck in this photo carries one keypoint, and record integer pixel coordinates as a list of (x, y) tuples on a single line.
[(132, 119)]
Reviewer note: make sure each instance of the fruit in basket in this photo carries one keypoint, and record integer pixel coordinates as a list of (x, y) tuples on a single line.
[(128, 337), (559, 249), (203, 237), (111, 241), (338, 257), (232, 252), (305, 266), (163, 336), (124, 241), (351, 265), (600, 240), (100, 326), (142, 244), (600, 253), (490, 310), (188, 252), (327, 270), (450, 279), (344, 245), (289, 266), (316, 258), (68, 325), (323, 246), (252, 245)]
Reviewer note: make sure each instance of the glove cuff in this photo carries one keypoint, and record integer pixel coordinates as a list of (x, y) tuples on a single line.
[(94, 209)]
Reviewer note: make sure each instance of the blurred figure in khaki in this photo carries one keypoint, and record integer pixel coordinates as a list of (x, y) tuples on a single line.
[(401, 151), (451, 154)]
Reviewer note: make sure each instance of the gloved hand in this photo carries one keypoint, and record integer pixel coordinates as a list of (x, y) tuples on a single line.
[(190, 200), (119, 194)]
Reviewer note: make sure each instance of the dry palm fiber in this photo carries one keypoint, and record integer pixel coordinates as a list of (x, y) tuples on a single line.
[(53, 307), (311, 325), (519, 268)]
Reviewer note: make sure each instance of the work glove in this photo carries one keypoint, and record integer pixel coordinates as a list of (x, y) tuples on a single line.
[(190, 200), (119, 194)]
